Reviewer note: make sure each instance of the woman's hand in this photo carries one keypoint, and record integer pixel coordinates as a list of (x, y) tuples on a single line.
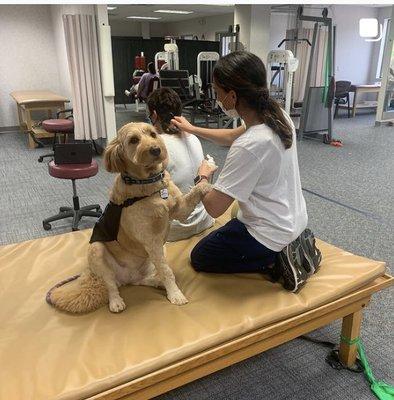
[(183, 124), (207, 169)]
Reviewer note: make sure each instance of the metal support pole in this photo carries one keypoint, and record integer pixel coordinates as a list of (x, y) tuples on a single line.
[(305, 105), (330, 53)]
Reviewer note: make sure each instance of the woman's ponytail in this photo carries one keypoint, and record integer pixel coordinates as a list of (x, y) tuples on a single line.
[(274, 117)]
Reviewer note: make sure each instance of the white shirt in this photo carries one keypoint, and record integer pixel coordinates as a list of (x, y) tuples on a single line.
[(185, 156), (265, 179)]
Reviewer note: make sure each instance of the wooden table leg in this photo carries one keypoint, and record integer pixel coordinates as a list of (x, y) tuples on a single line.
[(29, 126), (351, 325), (354, 103), (21, 123)]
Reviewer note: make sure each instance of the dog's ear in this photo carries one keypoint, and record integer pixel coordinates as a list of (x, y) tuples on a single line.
[(113, 156)]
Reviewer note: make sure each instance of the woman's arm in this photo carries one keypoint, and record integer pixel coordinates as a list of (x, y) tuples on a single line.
[(223, 137), (216, 203), (141, 85)]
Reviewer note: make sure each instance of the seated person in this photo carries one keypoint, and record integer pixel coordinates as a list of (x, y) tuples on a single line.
[(185, 156), (144, 83)]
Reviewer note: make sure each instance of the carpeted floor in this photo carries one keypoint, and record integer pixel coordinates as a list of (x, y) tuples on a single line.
[(349, 194)]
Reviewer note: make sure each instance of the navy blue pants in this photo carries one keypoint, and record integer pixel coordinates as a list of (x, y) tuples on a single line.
[(231, 249)]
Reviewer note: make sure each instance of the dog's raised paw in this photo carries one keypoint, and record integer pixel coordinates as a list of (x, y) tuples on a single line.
[(205, 187), (177, 298), (117, 305)]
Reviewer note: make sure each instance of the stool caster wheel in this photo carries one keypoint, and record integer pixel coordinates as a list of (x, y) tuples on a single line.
[(47, 226), (40, 159), (98, 209), (75, 229), (63, 209)]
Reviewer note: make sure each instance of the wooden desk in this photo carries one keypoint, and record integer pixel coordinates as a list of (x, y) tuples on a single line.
[(357, 89), (35, 100)]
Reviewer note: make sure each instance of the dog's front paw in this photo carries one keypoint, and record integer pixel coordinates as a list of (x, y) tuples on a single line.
[(204, 187), (177, 298), (117, 304)]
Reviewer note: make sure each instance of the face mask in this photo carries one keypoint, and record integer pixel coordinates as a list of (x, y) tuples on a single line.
[(233, 113)]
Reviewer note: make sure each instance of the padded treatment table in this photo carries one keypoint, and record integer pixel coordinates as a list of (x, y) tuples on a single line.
[(154, 346), (28, 101)]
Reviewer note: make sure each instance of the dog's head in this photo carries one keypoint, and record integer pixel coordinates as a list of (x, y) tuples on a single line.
[(137, 150)]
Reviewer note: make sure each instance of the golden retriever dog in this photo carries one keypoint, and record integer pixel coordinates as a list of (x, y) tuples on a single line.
[(146, 200)]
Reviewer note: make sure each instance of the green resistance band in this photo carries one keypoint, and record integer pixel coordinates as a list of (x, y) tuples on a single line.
[(382, 390), (326, 72)]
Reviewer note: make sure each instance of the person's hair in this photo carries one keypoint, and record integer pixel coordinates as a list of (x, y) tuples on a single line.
[(167, 104), (151, 68), (245, 73)]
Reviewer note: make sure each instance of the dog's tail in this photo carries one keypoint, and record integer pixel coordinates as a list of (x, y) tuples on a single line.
[(79, 294)]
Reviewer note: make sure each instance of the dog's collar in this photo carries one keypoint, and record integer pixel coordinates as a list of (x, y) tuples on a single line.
[(129, 180)]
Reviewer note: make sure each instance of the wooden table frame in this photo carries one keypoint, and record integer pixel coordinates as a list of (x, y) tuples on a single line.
[(26, 123), (357, 89), (348, 307)]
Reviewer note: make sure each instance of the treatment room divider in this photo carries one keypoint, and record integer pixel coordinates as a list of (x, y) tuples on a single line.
[(83, 62)]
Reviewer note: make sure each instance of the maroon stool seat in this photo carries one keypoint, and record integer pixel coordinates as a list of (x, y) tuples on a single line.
[(58, 125), (73, 172), (62, 126)]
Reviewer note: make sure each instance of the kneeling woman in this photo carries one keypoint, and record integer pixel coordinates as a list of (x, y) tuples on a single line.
[(261, 172), (185, 156)]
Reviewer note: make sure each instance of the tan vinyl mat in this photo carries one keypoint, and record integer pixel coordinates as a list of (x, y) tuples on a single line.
[(45, 354)]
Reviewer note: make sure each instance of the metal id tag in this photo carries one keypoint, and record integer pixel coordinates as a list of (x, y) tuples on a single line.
[(164, 193)]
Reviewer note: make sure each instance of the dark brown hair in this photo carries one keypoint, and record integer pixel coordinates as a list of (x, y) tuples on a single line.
[(151, 68), (167, 104), (245, 73)]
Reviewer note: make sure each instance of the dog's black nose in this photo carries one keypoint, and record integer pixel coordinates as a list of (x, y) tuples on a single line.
[(155, 151)]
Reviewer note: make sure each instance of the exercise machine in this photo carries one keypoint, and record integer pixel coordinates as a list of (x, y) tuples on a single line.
[(316, 116), (315, 108), (206, 61), (281, 65), (169, 56)]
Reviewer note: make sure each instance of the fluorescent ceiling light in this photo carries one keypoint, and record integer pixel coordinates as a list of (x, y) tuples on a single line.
[(110, 8), (136, 17), (174, 12)]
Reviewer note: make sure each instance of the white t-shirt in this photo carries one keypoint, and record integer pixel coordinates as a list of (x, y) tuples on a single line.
[(265, 179), (185, 156)]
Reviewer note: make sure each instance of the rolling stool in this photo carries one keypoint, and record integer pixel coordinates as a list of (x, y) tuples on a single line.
[(73, 172), (62, 125)]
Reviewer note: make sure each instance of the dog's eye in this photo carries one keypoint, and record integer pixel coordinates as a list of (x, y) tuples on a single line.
[(134, 140), (153, 134)]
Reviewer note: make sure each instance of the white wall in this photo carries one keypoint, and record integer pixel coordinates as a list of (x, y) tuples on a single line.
[(254, 22), (242, 16), (278, 27), (260, 30), (207, 26), (125, 28), (28, 55), (157, 29), (353, 54)]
